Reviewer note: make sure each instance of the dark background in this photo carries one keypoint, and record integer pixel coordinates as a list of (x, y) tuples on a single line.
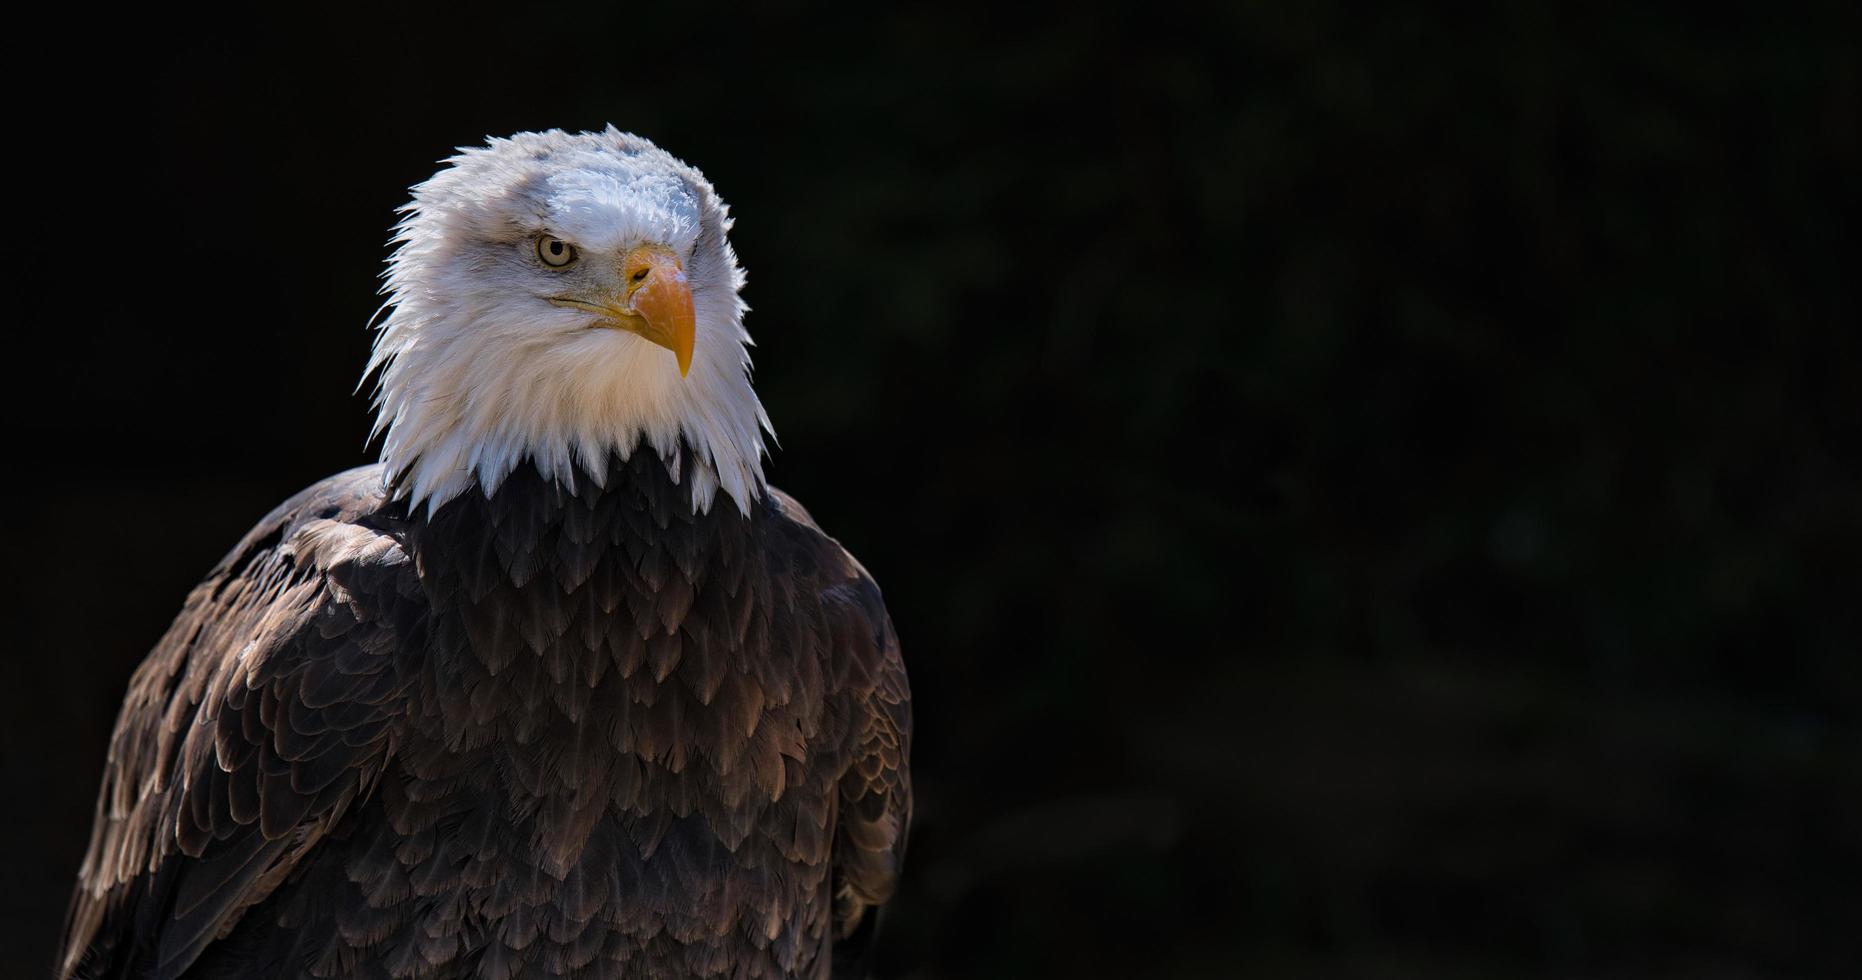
[(1363, 493)]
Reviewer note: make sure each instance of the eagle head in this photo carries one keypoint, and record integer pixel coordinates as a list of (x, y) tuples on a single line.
[(560, 298)]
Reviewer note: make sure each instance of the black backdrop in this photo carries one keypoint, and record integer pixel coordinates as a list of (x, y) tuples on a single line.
[(1362, 494)]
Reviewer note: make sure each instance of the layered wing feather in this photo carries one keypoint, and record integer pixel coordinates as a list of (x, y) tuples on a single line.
[(261, 716), (873, 805)]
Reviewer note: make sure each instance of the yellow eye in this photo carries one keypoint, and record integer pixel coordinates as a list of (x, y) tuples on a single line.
[(554, 252)]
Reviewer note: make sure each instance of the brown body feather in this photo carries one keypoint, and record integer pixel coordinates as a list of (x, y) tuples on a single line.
[(560, 731)]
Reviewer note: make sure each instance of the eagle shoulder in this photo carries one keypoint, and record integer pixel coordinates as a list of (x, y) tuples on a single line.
[(266, 709), (874, 805)]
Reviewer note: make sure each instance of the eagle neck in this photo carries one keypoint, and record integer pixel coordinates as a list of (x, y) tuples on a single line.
[(550, 586)]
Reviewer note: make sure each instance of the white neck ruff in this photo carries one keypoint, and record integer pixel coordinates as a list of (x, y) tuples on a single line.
[(462, 400)]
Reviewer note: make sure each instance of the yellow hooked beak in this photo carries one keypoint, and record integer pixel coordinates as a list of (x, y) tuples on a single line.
[(654, 301)]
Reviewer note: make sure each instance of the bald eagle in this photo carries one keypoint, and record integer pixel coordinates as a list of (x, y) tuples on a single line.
[(560, 687)]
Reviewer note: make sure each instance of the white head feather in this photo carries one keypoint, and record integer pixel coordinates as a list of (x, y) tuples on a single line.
[(476, 369)]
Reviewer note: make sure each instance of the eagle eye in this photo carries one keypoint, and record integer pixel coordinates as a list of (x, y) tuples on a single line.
[(554, 252)]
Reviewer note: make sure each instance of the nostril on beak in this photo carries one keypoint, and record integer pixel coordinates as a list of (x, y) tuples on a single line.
[(650, 265)]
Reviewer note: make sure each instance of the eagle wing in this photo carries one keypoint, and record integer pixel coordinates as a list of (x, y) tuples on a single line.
[(875, 809), (265, 711), (873, 805)]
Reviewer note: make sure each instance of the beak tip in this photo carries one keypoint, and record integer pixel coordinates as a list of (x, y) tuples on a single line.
[(661, 296)]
